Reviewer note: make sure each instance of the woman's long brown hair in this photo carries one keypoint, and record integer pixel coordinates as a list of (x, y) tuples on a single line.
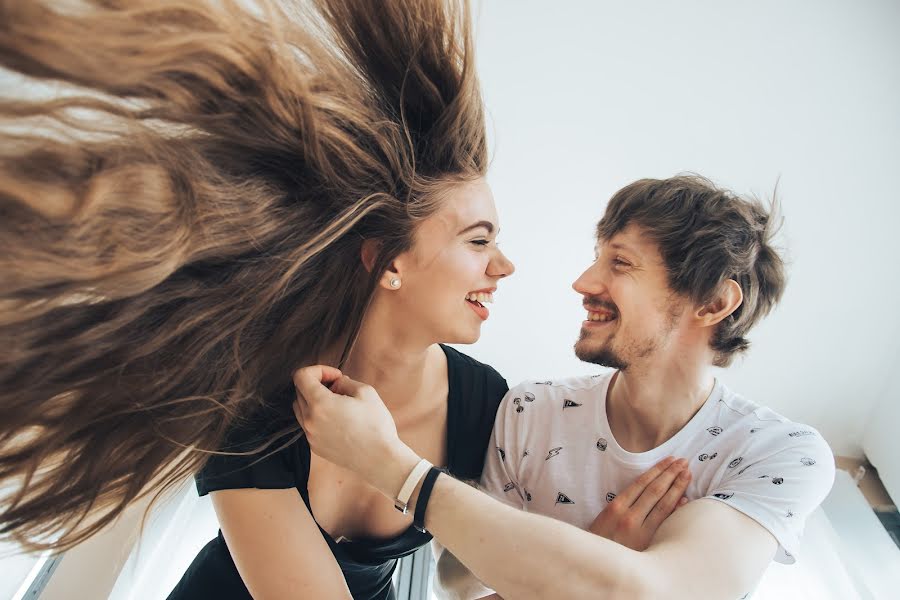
[(181, 219)]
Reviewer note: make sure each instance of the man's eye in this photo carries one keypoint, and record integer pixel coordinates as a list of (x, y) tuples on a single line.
[(481, 242), (618, 262)]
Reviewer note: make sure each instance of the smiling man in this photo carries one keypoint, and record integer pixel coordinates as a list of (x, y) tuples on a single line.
[(683, 270)]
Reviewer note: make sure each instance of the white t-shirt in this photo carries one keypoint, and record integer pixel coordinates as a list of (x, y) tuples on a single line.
[(552, 453)]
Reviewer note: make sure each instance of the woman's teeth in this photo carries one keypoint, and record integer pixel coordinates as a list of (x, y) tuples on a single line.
[(593, 316), (482, 297)]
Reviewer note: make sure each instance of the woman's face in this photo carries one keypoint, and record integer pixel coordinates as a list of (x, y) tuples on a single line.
[(450, 274)]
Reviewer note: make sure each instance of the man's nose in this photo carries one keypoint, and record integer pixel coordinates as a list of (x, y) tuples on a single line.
[(591, 282)]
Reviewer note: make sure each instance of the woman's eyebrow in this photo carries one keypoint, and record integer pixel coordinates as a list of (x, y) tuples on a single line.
[(486, 224)]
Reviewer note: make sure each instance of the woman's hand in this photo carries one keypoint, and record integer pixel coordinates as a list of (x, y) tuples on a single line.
[(633, 517), (347, 424)]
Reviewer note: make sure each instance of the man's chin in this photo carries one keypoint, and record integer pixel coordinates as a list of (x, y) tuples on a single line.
[(603, 357)]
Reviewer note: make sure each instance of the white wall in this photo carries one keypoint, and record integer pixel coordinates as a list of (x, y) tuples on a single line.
[(879, 441), (90, 569), (587, 96)]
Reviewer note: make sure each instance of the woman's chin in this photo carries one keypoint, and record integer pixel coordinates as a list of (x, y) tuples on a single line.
[(463, 337)]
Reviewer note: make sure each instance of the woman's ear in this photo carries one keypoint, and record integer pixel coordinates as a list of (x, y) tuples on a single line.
[(391, 278), (726, 301), (369, 253)]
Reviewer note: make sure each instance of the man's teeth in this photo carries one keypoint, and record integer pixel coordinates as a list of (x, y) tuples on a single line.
[(593, 316), (482, 297)]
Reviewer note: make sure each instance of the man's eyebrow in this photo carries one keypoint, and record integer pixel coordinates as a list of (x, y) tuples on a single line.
[(621, 246), (616, 246), (486, 224)]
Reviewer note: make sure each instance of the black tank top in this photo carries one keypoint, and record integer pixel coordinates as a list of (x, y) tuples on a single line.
[(474, 393)]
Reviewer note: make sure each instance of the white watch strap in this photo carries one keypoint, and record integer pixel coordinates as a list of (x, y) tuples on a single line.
[(411, 482)]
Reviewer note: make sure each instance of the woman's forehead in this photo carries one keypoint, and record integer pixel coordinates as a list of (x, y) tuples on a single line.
[(464, 206)]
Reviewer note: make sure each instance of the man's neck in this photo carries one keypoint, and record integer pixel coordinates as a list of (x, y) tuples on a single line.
[(648, 405)]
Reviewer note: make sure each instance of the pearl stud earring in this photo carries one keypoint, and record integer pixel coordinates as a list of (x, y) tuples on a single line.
[(395, 283)]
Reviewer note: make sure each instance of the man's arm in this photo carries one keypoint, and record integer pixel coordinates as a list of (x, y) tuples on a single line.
[(710, 550), (632, 519), (453, 581), (522, 555), (705, 549)]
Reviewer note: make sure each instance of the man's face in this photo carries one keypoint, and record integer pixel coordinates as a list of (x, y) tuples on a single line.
[(633, 316)]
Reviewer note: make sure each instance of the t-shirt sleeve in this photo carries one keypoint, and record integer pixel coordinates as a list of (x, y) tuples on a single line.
[(779, 481), (501, 463), (273, 467)]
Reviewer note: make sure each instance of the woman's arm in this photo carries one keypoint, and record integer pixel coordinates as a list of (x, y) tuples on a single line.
[(277, 546)]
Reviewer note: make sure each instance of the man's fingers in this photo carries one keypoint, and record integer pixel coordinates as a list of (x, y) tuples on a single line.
[(347, 387), (310, 380), (659, 487), (630, 494), (309, 383), (671, 500), (299, 408)]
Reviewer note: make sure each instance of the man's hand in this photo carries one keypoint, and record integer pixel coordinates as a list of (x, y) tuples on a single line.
[(347, 424), (633, 517)]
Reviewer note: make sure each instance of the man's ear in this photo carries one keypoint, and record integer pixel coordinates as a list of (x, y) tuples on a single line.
[(727, 300)]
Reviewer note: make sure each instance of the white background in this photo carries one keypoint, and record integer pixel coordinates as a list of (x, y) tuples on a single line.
[(585, 97)]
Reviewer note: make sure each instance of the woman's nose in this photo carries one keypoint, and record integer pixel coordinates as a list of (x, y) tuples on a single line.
[(501, 266)]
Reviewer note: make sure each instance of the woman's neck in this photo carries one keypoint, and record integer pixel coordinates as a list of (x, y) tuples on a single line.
[(404, 373)]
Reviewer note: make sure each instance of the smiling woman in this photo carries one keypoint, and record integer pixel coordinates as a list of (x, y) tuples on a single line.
[(452, 267), (265, 188)]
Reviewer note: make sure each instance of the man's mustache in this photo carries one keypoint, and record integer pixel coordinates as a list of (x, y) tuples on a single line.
[(598, 305)]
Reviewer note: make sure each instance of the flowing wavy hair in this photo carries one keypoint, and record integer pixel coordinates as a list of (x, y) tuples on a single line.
[(181, 221)]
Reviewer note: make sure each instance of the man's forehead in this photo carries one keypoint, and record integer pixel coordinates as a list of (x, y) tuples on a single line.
[(631, 238)]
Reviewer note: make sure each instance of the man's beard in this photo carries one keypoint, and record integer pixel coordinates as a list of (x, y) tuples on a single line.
[(603, 356), (606, 356)]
